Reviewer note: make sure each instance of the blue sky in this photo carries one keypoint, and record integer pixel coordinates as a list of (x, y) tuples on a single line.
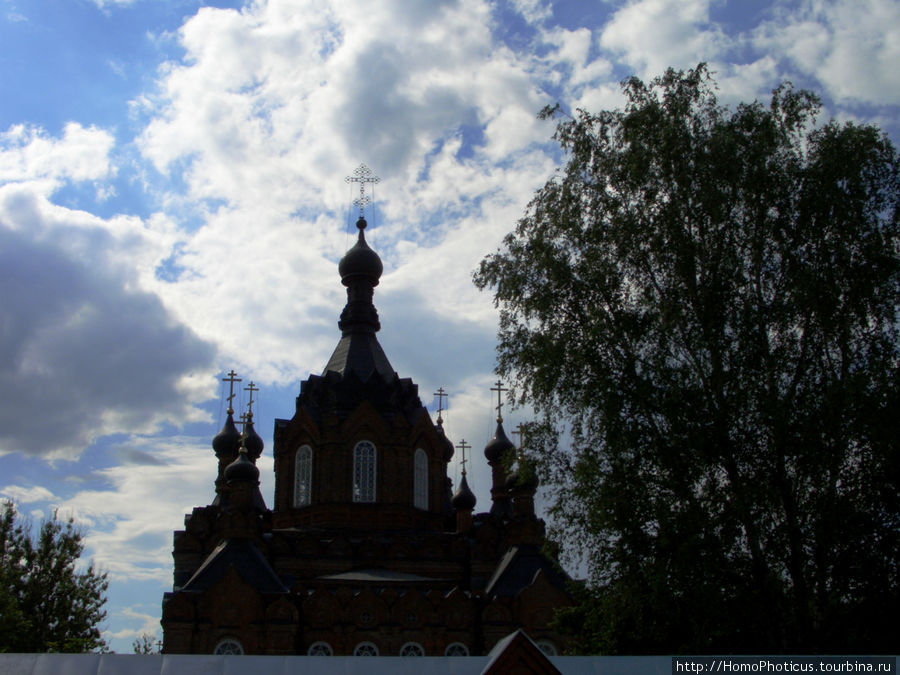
[(173, 205)]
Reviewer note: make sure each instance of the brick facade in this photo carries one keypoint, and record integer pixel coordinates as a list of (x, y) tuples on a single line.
[(322, 572)]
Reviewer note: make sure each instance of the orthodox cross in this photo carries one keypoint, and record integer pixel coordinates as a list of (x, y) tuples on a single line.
[(231, 379), (462, 445), (441, 394), (499, 389), (251, 389), (518, 432), (362, 175)]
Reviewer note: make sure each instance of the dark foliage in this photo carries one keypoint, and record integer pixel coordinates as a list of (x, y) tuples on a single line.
[(704, 305), (46, 604)]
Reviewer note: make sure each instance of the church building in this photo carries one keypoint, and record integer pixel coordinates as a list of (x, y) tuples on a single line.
[(367, 549)]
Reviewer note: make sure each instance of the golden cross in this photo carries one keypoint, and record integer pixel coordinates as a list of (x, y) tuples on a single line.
[(251, 389), (462, 445), (231, 379), (518, 432), (441, 394), (499, 389)]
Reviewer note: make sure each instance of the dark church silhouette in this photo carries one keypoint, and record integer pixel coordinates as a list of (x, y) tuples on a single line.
[(365, 551)]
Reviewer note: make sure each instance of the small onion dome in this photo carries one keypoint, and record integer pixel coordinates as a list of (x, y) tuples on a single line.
[(227, 441), (448, 446), (523, 478), (242, 469), (528, 479), (252, 440), (360, 261), (464, 499), (498, 446)]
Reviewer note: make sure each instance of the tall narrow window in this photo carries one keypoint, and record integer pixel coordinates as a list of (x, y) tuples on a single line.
[(420, 480), (364, 472), (303, 476)]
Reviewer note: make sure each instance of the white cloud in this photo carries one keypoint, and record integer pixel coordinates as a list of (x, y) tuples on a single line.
[(27, 495), (652, 35), (851, 46), (274, 105), (130, 522), (27, 153), (87, 349)]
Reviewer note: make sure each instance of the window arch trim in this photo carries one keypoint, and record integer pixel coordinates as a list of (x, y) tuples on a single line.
[(228, 647), (303, 460), (365, 472), (420, 479), (320, 648), (365, 648)]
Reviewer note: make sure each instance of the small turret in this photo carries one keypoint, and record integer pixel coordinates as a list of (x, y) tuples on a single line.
[(227, 442), (497, 452), (464, 500), (250, 439)]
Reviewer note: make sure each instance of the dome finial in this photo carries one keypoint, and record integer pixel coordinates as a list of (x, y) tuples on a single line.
[(441, 394), (231, 379), (362, 175), (499, 389)]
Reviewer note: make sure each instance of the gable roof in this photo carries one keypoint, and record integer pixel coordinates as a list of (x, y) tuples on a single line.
[(517, 569), (248, 561), (516, 653)]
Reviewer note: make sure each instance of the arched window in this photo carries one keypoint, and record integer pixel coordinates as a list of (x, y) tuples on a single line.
[(320, 649), (365, 649), (547, 647), (302, 476), (456, 649), (412, 649), (229, 646), (420, 482), (364, 472)]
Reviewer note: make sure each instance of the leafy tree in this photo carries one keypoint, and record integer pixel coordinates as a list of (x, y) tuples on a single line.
[(47, 605), (146, 643), (704, 304)]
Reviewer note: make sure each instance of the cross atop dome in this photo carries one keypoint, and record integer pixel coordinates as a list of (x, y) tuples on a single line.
[(499, 388), (231, 379), (362, 175)]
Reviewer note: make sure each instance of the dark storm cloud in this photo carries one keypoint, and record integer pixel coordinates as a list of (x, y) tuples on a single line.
[(81, 353)]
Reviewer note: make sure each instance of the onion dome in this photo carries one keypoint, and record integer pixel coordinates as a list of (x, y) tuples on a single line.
[(523, 478), (227, 441), (251, 440), (360, 261), (498, 446), (448, 446), (242, 469), (528, 479), (464, 499)]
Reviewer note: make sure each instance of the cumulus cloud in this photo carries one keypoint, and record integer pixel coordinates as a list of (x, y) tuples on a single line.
[(87, 351), (652, 35), (27, 495), (852, 47), (274, 105), (130, 520)]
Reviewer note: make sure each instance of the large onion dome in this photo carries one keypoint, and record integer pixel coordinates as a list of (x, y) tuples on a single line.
[(360, 261), (228, 440), (498, 446)]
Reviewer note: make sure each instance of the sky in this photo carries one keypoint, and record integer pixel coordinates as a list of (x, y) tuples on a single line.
[(173, 205)]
